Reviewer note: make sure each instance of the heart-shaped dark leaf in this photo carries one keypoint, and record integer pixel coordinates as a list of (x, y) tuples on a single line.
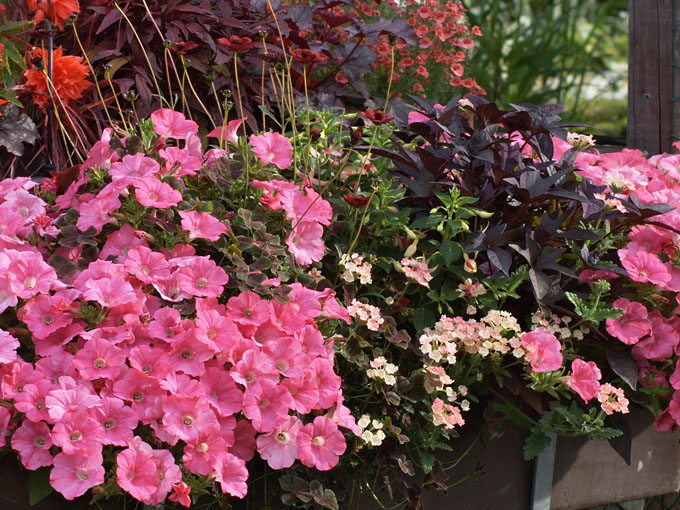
[(16, 129)]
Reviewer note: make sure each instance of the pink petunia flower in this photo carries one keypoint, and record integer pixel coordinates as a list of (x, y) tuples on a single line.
[(134, 168), (172, 124), (274, 191), (543, 350), (305, 242), (279, 447), (33, 442), (8, 347), (136, 471), (179, 162), (146, 265), (266, 405), (74, 474), (77, 431), (204, 453), (644, 267), (584, 379), (187, 417), (155, 193), (202, 225), (202, 278), (99, 359), (632, 325), (272, 148), (232, 475), (320, 444), (229, 132), (307, 206), (116, 420)]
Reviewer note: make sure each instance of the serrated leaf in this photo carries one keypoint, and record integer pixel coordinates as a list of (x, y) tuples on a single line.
[(39, 485), (536, 442), (16, 129), (427, 460)]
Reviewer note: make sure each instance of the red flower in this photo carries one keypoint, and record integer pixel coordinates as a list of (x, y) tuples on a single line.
[(68, 76), (378, 116), (356, 200), (57, 11), (304, 55), (183, 47), (236, 43)]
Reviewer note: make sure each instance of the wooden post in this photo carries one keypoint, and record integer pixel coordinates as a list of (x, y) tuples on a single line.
[(650, 76)]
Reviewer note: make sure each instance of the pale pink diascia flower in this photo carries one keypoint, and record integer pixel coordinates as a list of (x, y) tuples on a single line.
[(172, 124), (446, 414), (320, 444), (584, 379), (202, 225), (74, 474), (33, 442), (155, 193), (543, 350), (645, 267), (632, 325), (612, 400), (417, 270), (228, 132), (305, 242), (279, 447), (272, 148)]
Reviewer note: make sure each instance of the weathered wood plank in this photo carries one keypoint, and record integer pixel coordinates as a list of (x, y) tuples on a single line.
[(643, 75)]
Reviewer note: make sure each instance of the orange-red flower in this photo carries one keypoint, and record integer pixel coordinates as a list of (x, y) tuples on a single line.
[(57, 11), (68, 77)]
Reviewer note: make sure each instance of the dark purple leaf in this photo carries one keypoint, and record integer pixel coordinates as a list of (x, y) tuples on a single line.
[(16, 129)]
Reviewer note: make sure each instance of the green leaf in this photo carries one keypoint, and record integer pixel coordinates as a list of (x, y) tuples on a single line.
[(427, 460), (450, 251), (39, 485), (427, 221), (423, 318), (535, 443), (605, 433)]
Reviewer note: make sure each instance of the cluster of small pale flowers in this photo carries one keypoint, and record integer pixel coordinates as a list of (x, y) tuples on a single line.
[(497, 333), (381, 369), (371, 430), (612, 202), (612, 399), (356, 266), (446, 414), (438, 380), (471, 290), (417, 270), (558, 326), (368, 313), (581, 142)]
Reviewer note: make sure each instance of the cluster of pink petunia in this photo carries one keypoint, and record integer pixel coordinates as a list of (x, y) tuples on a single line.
[(235, 376), (650, 258), (307, 212)]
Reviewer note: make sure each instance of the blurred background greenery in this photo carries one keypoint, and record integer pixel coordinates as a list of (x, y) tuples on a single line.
[(571, 52)]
